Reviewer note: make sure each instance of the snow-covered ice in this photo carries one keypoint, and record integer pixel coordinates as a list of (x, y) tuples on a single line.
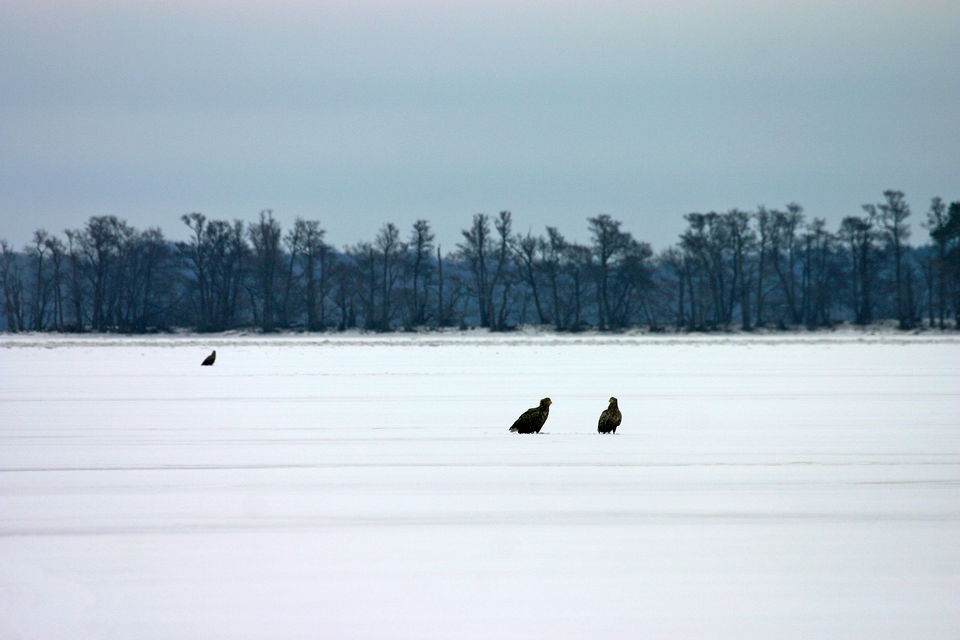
[(367, 487)]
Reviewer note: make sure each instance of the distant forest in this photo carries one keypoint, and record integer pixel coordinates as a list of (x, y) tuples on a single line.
[(735, 270)]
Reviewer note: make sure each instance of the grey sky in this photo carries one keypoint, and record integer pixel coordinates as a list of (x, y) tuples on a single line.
[(358, 113)]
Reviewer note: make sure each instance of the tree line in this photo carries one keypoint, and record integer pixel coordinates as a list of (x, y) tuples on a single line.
[(737, 269)]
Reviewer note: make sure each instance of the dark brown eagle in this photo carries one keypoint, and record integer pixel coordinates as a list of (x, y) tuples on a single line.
[(531, 420), (210, 359), (610, 418)]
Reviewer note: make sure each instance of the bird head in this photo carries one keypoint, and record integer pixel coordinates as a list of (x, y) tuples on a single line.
[(613, 400), (546, 402)]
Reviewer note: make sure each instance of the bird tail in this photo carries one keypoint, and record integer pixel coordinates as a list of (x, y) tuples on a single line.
[(514, 428)]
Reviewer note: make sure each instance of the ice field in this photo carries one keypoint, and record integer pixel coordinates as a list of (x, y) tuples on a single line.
[(367, 487)]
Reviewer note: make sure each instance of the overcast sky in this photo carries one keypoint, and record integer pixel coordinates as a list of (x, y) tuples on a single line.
[(357, 113)]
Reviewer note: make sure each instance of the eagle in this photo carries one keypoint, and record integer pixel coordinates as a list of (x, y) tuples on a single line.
[(210, 359), (610, 418), (531, 420)]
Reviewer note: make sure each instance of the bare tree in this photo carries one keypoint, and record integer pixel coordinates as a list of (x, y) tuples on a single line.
[(526, 251), (37, 251), (389, 252), (293, 242), (859, 235), (442, 318), (196, 253), (11, 278), (420, 271), (57, 254), (346, 284), (315, 257), (502, 273), (632, 283), (768, 265), (265, 240), (143, 270), (77, 291), (818, 272), (578, 265), (216, 255), (101, 243), (554, 255), (891, 215), (764, 221), (936, 223), (610, 245), (674, 275), (949, 234), (784, 256), (475, 252), (707, 243), (451, 292), (487, 260), (742, 239)]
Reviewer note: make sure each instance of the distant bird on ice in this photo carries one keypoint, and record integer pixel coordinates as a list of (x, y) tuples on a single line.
[(210, 359), (610, 418), (531, 420)]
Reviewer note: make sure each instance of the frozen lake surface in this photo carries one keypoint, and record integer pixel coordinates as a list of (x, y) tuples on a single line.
[(352, 487)]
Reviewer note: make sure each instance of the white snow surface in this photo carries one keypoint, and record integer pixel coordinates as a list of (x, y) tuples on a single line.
[(367, 487)]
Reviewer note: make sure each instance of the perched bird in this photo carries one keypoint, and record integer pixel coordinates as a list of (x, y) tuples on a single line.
[(210, 359), (610, 418), (531, 420)]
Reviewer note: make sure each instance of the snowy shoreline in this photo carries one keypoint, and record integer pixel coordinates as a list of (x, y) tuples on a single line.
[(476, 337)]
